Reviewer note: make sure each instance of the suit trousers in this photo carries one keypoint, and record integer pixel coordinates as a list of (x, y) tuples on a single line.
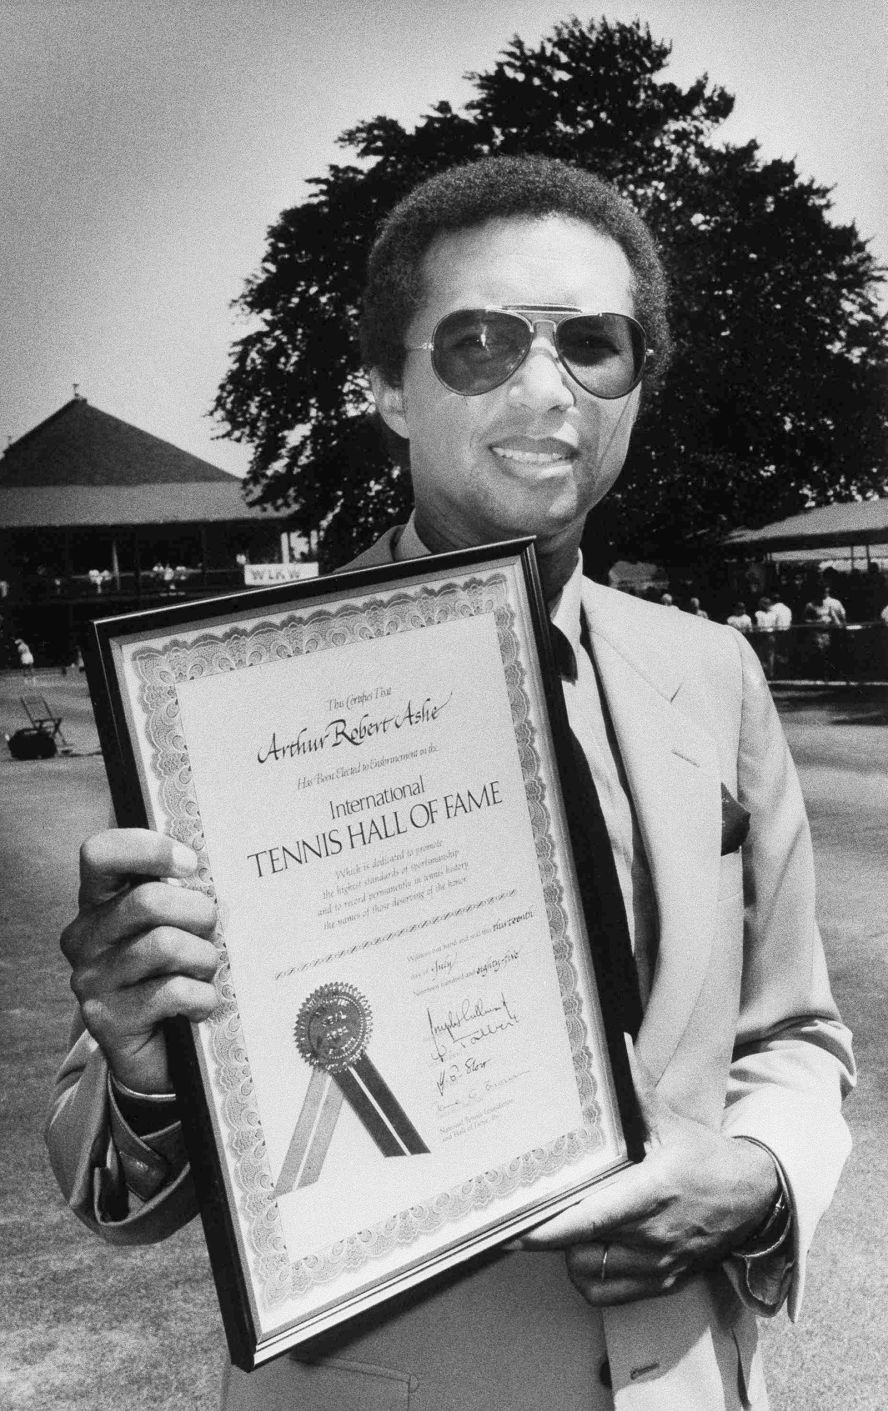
[(446, 1353)]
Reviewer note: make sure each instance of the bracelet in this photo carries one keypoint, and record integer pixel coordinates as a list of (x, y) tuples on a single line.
[(150, 1098), (770, 1235)]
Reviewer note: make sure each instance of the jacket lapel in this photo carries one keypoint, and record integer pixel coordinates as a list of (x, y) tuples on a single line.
[(674, 776)]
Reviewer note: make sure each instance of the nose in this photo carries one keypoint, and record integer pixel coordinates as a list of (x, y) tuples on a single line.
[(541, 383)]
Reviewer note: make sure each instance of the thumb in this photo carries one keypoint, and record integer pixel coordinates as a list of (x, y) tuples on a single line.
[(111, 860)]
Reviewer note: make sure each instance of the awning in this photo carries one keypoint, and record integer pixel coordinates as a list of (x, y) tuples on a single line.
[(126, 506), (857, 522)]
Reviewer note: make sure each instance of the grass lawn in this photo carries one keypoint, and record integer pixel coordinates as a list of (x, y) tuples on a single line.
[(83, 1325), (96, 1328)]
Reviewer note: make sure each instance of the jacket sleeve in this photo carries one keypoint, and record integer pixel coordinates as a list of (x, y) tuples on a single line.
[(792, 1064), (129, 1189)]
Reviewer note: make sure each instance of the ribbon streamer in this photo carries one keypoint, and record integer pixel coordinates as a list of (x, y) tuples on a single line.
[(332, 1033)]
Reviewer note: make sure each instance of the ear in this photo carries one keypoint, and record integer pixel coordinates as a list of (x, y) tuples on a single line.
[(391, 404)]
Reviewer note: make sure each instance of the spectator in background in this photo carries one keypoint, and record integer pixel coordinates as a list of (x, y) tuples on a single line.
[(827, 612), (695, 609), (666, 600), (766, 624), (782, 614), (835, 608), (26, 658), (825, 609), (740, 619)]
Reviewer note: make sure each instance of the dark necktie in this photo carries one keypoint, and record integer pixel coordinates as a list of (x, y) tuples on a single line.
[(599, 885)]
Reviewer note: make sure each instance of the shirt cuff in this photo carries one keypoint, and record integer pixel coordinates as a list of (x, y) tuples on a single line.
[(155, 1155)]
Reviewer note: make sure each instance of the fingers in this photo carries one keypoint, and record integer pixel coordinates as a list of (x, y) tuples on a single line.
[(629, 1200), (140, 951), (125, 1020), (132, 912), (157, 904), (127, 1025), (127, 991), (111, 859), (149, 955), (608, 1273)]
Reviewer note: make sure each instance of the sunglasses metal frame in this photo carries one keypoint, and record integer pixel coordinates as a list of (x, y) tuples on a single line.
[(533, 315)]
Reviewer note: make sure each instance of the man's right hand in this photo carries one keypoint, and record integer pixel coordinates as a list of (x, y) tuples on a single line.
[(139, 950)]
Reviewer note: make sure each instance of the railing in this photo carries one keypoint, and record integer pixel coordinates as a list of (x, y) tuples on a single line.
[(814, 652), (80, 587)]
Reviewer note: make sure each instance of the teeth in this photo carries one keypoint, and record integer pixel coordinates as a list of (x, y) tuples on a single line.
[(532, 457)]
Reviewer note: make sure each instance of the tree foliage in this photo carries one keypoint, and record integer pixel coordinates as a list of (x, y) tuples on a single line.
[(777, 395)]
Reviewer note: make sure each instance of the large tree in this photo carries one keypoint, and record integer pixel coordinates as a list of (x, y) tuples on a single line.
[(777, 394)]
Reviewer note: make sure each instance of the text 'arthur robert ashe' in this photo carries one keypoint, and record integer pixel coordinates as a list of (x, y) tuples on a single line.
[(355, 731)]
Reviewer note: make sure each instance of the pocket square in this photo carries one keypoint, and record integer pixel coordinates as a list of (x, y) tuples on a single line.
[(735, 822)]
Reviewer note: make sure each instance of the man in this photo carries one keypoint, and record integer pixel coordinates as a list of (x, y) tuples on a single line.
[(26, 658), (739, 619), (823, 610), (782, 614), (826, 609), (504, 329), (765, 627)]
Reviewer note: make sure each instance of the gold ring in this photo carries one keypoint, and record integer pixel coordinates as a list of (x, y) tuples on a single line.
[(602, 1273)]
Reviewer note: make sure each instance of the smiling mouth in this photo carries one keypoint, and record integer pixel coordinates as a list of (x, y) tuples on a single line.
[(545, 452)]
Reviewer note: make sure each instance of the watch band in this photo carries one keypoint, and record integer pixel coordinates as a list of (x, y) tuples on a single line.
[(772, 1232)]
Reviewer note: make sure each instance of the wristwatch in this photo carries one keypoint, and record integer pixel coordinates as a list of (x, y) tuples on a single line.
[(770, 1235)]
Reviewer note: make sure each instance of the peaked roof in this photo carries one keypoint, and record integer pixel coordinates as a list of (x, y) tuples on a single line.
[(81, 467), (854, 522), (92, 507), (80, 445)]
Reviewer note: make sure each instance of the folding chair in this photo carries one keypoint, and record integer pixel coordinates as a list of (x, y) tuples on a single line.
[(45, 720)]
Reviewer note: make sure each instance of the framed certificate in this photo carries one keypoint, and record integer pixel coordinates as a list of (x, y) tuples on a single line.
[(410, 1060)]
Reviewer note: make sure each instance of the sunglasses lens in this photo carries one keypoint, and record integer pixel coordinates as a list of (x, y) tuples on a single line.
[(604, 352), (475, 351)]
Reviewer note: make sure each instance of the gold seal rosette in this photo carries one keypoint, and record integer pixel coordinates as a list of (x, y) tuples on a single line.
[(333, 1027), (332, 1032)]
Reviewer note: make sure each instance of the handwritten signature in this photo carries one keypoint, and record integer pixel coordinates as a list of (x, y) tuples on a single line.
[(452, 1073), (470, 1022)]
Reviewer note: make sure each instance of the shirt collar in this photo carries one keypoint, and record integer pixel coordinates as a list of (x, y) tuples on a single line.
[(564, 611), (408, 544)]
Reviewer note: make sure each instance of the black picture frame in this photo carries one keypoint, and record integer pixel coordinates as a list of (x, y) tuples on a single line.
[(596, 898)]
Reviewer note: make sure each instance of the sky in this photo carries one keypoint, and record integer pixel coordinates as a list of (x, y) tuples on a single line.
[(147, 145)]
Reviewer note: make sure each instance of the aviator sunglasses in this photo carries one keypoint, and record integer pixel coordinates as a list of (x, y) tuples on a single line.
[(475, 350)]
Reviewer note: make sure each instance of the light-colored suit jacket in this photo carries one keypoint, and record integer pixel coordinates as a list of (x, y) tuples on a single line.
[(740, 1031)]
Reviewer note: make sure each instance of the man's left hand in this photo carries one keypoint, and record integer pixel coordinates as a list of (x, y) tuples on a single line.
[(694, 1198)]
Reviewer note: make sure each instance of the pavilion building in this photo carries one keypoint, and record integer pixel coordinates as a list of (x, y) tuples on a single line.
[(98, 517)]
